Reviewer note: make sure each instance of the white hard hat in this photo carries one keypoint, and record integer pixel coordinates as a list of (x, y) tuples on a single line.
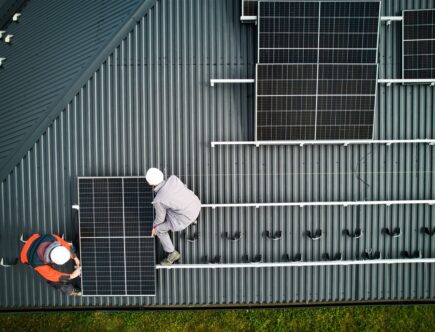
[(60, 255), (154, 176)]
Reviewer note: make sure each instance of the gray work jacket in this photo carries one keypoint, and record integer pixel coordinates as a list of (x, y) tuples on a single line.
[(176, 204)]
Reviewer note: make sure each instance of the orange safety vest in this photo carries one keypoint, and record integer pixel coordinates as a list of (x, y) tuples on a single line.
[(45, 270)]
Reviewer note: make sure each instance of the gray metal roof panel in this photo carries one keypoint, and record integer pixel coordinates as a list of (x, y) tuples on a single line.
[(150, 104), (54, 45), (7, 9)]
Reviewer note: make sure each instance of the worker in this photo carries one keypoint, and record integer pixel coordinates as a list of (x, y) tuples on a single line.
[(42, 251), (176, 208)]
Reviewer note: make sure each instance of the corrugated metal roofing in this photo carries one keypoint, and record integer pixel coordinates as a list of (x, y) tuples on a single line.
[(150, 104), (54, 43), (7, 9)]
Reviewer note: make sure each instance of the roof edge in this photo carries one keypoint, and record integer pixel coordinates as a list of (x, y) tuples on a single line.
[(78, 83), (202, 307)]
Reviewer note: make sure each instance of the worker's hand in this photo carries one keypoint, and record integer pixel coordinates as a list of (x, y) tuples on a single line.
[(77, 261), (153, 232), (76, 273)]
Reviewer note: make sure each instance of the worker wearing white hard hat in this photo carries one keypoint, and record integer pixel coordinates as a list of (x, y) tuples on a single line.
[(154, 176), (176, 208), (60, 255), (47, 251)]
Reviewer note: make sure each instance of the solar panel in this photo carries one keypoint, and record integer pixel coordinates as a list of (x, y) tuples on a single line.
[(249, 7), (316, 75), (116, 250), (419, 44)]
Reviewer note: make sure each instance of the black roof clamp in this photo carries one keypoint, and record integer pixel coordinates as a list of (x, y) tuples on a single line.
[(235, 237), (336, 257), (369, 255), (276, 236), (215, 260), (191, 238), (394, 233), (428, 231), (296, 258), (256, 259), (414, 254), (314, 236), (356, 235)]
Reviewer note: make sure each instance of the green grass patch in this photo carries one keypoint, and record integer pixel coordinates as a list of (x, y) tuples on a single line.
[(371, 318)]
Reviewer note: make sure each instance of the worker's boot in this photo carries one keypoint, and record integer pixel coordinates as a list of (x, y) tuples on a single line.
[(76, 292), (172, 257)]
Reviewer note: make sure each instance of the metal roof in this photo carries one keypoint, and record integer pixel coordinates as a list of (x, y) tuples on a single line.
[(54, 50), (150, 104), (7, 9)]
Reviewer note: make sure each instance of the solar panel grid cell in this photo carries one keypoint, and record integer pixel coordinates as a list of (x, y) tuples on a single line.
[(332, 49), (286, 87), (283, 39), (348, 40), (287, 133), (340, 132), (347, 56)]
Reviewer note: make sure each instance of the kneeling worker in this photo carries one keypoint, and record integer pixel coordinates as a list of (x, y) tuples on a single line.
[(176, 208), (41, 251)]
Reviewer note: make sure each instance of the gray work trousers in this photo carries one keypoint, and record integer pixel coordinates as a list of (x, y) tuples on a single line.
[(163, 235)]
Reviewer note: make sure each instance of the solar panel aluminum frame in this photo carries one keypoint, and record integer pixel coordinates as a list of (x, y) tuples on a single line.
[(255, 99), (318, 47), (377, 72), (256, 72), (318, 65), (80, 238), (403, 44), (403, 40)]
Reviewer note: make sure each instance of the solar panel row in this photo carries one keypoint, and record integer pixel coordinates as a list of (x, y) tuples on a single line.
[(297, 56), (329, 9), (323, 118), (316, 76), (311, 24), (313, 40), (117, 252), (419, 44)]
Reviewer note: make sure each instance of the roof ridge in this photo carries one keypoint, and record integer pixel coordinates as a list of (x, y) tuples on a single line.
[(91, 66)]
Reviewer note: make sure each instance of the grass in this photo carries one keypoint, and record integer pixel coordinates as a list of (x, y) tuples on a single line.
[(373, 318)]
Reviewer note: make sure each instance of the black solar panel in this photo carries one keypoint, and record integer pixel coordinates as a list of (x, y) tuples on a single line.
[(116, 249), (419, 44), (317, 70), (249, 7)]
